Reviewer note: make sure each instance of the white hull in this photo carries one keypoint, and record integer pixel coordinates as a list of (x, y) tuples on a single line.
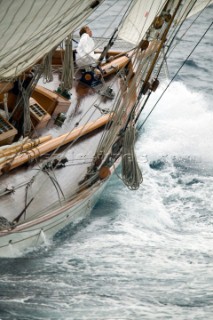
[(28, 236)]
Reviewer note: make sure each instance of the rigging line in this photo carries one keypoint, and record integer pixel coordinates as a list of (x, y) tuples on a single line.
[(117, 101), (19, 98), (16, 220), (112, 22), (177, 26), (182, 18), (108, 136), (113, 36), (69, 145), (26, 196), (89, 109), (13, 189), (192, 23), (32, 83), (54, 153), (175, 75), (55, 183)]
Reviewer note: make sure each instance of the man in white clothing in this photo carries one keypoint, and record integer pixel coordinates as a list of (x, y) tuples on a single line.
[(85, 50)]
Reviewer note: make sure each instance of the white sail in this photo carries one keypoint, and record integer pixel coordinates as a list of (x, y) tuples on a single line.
[(143, 12), (200, 5), (140, 17), (31, 28), (191, 8)]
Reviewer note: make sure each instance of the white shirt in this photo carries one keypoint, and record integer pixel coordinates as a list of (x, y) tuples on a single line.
[(85, 51)]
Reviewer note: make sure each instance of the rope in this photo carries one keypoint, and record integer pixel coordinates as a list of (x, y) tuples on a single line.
[(180, 25), (48, 72), (131, 173), (27, 120), (68, 70)]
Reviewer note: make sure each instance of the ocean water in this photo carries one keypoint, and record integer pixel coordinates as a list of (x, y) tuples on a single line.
[(145, 254)]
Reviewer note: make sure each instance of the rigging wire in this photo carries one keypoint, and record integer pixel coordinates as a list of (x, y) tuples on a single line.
[(175, 75), (180, 25)]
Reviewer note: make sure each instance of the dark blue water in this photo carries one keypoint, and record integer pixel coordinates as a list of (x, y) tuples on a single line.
[(146, 254)]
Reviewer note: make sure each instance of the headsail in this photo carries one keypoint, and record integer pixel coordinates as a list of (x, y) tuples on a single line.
[(143, 12), (191, 8), (139, 19), (29, 29)]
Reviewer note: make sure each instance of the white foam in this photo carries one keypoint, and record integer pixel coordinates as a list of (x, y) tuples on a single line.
[(180, 125)]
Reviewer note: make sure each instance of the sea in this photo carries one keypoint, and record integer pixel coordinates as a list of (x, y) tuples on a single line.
[(144, 254)]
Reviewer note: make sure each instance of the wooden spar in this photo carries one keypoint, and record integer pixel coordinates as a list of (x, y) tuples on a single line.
[(121, 59), (112, 52), (55, 143), (23, 145), (114, 65)]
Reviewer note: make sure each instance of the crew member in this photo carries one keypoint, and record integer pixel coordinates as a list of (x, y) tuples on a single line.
[(85, 50)]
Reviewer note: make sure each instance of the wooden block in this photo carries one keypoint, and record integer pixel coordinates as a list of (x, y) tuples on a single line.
[(38, 115), (50, 101), (7, 132), (62, 105), (46, 98)]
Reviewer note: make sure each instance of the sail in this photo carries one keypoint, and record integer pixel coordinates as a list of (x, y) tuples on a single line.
[(143, 12), (29, 29), (191, 8), (139, 18)]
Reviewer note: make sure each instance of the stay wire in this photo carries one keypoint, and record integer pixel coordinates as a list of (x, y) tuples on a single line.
[(185, 32), (175, 75)]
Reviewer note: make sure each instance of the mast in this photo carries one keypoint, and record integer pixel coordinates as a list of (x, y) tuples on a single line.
[(162, 41)]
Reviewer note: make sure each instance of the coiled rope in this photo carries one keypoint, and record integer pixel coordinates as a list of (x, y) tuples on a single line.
[(68, 70), (131, 173), (48, 72)]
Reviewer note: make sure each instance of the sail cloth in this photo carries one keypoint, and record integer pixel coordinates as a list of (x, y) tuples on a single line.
[(139, 19), (143, 12), (195, 6), (29, 29)]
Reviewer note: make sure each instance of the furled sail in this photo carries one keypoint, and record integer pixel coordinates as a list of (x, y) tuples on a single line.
[(139, 18), (29, 29)]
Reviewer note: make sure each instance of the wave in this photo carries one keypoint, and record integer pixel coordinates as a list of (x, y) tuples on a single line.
[(180, 125)]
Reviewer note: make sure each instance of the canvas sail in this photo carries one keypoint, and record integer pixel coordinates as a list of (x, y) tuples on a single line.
[(139, 19), (143, 12), (191, 8), (29, 29)]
